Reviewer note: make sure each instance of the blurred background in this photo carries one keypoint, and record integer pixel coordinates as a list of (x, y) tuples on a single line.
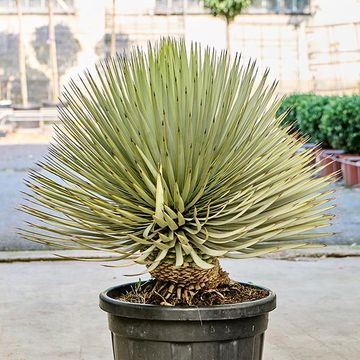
[(310, 45)]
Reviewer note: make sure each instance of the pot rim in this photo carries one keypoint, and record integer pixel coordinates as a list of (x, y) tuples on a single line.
[(185, 313)]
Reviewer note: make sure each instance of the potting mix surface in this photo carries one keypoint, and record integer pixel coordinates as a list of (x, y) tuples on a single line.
[(232, 293)]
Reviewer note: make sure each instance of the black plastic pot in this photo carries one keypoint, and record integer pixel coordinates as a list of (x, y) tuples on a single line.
[(151, 332)]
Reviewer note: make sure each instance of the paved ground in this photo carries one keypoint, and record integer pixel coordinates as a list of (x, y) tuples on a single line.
[(49, 311), (15, 160)]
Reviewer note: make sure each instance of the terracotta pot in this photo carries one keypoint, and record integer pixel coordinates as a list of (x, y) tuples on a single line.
[(314, 149), (358, 169), (330, 159), (310, 147), (348, 156), (350, 169)]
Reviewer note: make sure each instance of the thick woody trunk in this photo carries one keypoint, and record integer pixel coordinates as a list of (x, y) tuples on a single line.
[(52, 56), (22, 66), (228, 42), (113, 29), (184, 282)]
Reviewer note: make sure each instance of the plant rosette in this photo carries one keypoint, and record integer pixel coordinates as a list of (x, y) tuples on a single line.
[(174, 158)]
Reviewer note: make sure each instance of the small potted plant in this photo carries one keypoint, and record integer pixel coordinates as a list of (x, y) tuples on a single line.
[(304, 112), (310, 112), (341, 123), (174, 158)]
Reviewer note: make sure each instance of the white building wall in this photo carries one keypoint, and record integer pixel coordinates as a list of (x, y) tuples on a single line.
[(317, 52)]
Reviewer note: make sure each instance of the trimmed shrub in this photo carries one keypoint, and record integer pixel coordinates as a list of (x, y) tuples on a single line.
[(309, 114), (333, 121), (341, 123), (290, 105)]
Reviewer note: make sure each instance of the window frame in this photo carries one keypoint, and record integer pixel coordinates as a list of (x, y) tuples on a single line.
[(280, 9), (28, 9), (160, 8)]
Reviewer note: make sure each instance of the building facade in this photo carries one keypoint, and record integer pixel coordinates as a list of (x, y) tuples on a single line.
[(310, 45)]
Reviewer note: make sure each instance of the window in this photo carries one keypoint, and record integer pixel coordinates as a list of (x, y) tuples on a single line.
[(178, 7), (280, 6), (258, 6), (37, 6)]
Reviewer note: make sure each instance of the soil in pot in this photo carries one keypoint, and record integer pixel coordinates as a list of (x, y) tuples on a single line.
[(157, 293), (192, 286)]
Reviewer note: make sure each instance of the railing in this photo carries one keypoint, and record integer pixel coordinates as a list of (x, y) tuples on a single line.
[(4, 116), (28, 118)]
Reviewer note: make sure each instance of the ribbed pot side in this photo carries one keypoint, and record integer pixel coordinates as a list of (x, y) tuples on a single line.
[(151, 332)]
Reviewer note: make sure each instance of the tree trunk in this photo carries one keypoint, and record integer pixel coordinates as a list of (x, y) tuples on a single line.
[(22, 65), (52, 56), (228, 47), (174, 281), (189, 274), (113, 29)]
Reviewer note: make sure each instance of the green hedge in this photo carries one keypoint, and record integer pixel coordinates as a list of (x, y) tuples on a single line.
[(341, 123), (310, 114), (333, 121), (291, 105)]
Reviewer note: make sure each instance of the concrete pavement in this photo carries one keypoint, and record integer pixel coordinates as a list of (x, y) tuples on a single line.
[(49, 310), (15, 162)]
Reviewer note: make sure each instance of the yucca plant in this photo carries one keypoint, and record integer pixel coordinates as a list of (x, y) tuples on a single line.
[(173, 159)]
